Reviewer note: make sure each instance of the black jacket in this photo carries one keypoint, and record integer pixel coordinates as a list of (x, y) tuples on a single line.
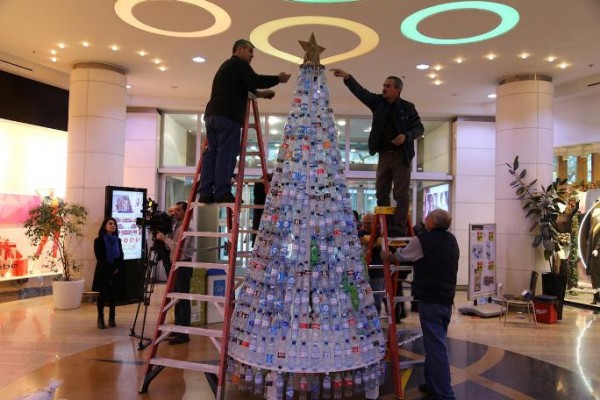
[(104, 273), (406, 118), (232, 82)]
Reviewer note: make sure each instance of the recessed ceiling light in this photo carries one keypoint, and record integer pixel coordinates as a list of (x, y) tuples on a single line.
[(437, 82), (157, 61), (459, 60), (128, 86), (492, 96), (85, 44), (114, 47), (142, 53), (52, 51), (509, 17), (61, 45), (198, 59), (423, 66), (551, 59), (162, 68), (437, 67), (53, 59), (432, 75), (341, 122), (563, 65), (491, 56), (524, 55)]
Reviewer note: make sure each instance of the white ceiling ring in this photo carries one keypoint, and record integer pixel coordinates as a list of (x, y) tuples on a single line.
[(124, 9), (368, 37)]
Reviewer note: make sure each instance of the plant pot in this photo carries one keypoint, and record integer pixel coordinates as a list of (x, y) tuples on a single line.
[(555, 285), (67, 294)]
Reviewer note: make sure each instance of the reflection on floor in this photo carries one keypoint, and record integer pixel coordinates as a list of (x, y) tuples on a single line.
[(489, 360)]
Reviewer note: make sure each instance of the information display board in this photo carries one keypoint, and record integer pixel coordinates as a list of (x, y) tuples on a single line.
[(482, 260), (125, 206)]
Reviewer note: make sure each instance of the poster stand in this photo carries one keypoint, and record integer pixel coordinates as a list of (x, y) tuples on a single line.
[(482, 271)]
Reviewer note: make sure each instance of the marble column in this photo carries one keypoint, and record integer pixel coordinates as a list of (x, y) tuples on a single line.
[(96, 146), (524, 128)]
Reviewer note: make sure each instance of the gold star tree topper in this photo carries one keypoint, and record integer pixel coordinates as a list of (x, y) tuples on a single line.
[(311, 50)]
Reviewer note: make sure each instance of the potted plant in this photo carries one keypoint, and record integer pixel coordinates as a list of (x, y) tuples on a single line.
[(543, 207), (51, 228)]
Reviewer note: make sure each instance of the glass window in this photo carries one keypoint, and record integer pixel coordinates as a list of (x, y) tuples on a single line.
[(179, 139), (572, 168), (431, 195), (275, 138), (359, 157)]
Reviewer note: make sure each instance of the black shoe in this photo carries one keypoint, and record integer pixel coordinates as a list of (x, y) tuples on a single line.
[(112, 323), (425, 388), (101, 323), (596, 298), (226, 198), (180, 339), (209, 198)]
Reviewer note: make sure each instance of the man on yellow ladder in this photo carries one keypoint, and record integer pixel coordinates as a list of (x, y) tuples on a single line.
[(224, 116)]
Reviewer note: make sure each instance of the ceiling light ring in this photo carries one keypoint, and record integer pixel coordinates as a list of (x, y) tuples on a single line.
[(509, 17), (368, 37), (124, 10)]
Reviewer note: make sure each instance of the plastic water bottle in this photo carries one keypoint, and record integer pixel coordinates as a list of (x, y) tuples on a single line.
[(292, 355), (258, 383), (348, 361), (315, 356), (269, 387), (279, 383), (315, 387), (249, 379), (358, 388), (337, 355), (348, 385), (303, 387), (337, 387), (326, 387), (303, 356), (289, 390)]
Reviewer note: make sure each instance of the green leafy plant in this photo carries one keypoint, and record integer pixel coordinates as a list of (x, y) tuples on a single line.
[(57, 223), (542, 207)]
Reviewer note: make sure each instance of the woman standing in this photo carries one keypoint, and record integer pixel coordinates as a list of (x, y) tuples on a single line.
[(109, 256)]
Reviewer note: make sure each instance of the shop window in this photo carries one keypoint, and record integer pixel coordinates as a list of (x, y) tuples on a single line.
[(179, 139)]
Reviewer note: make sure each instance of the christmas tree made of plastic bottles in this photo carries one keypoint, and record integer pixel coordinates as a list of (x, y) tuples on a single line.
[(305, 318)]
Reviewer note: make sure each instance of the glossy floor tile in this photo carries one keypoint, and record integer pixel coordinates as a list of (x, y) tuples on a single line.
[(489, 360)]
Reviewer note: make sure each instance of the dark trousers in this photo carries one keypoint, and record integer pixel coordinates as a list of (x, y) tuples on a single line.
[(393, 168), (106, 295), (183, 309), (219, 158)]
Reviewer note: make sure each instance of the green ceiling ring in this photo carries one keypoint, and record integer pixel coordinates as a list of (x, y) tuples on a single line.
[(508, 15)]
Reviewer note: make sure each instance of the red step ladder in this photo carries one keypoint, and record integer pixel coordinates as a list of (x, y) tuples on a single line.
[(400, 369), (219, 337)]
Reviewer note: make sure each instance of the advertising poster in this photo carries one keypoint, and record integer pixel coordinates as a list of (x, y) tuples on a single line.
[(126, 207), (482, 260)]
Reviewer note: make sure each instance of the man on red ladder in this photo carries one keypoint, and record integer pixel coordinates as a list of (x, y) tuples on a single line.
[(224, 116), (435, 253)]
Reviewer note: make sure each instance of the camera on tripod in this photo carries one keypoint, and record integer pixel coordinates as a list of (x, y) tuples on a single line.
[(154, 220)]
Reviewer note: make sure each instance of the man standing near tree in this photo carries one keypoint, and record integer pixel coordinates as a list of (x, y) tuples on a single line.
[(396, 125)]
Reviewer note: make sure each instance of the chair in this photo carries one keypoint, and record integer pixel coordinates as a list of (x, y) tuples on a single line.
[(524, 300)]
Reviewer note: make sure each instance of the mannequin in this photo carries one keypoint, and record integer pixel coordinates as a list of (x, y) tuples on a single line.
[(593, 260)]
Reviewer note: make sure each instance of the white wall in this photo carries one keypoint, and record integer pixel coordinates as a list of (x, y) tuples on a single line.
[(175, 142), (473, 191), (577, 119), (142, 147)]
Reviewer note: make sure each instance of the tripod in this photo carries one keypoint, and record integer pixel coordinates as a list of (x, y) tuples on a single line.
[(149, 270)]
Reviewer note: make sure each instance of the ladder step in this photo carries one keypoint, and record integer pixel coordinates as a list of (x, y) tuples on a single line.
[(402, 299), (253, 206), (191, 330), (252, 153), (405, 364), (194, 366), (196, 297), (255, 231), (244, 254), (385, 210), (206, 234), (202, 265)]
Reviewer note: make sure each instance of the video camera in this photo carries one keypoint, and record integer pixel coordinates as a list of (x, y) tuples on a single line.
[(156, 221)]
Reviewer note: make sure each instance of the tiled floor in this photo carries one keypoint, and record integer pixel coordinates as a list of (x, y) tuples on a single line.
[(489, 360)]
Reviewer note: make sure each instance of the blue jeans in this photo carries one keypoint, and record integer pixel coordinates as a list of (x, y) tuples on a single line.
[(218, 160), (434, 323)]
